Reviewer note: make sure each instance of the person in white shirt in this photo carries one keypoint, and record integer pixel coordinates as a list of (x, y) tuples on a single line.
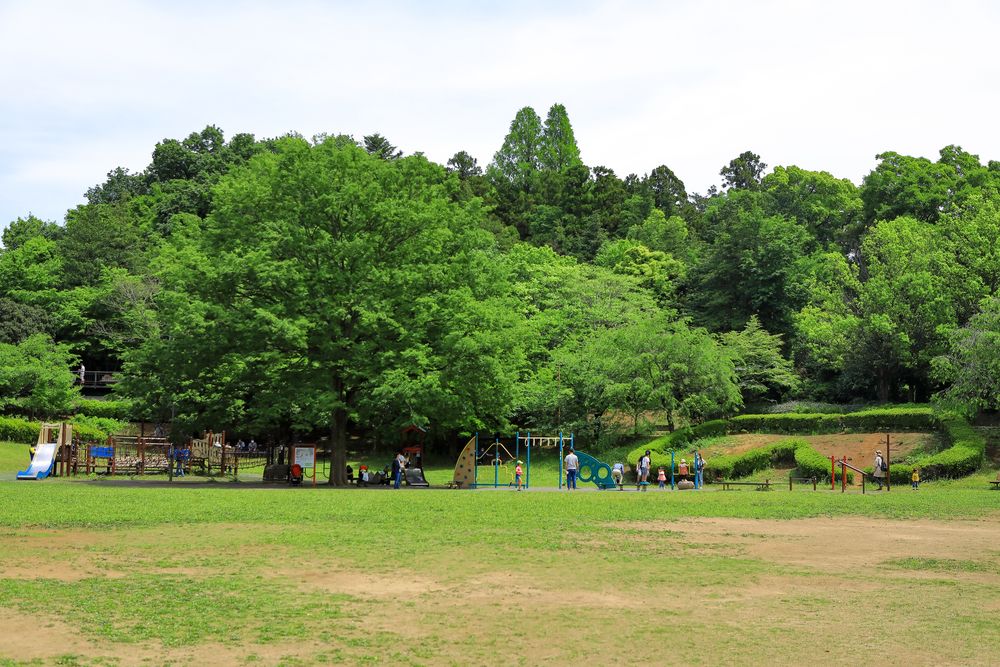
[(572, 466), (618, 474), (645, 461)]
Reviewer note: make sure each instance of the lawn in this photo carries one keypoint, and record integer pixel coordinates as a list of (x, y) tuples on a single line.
[(228, 574)]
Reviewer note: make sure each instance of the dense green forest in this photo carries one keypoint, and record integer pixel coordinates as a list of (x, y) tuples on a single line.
[(288, 285)]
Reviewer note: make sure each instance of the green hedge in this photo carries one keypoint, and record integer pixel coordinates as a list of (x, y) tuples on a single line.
[(120, 410), (747, 463), (14, 429)]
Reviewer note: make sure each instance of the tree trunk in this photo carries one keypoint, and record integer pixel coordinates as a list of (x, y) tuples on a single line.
[(338, 440)]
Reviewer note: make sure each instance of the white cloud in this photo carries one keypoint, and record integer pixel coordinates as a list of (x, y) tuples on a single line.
[(90, 86)]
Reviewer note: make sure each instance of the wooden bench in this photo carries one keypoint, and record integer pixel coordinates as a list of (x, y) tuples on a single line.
[(995, 483), (761, 486)]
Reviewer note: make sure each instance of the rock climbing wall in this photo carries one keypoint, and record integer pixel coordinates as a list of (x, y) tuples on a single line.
[(465, 468)]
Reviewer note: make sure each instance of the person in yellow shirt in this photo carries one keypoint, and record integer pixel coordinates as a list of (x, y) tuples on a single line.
[(915, 478)]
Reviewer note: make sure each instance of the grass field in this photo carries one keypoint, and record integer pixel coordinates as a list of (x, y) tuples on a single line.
[(226, 574)]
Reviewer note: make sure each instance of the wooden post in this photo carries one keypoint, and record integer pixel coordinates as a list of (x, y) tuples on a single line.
[(833, 474), (843, 474), (814, 483)]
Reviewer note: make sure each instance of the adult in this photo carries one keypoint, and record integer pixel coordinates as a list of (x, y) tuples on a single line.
[(572, 466), (878, 470), (643, 477), (699, 469), (398, 464), (82, 372), (618, 474)]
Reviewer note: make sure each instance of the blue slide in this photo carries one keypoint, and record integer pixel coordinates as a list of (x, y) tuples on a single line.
[(41, 462)]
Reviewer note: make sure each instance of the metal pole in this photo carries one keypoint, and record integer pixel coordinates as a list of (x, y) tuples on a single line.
[(560, 460), (671, 470), (475, 464), (843, 474), (888, 468), (527, 477), (496, 462)]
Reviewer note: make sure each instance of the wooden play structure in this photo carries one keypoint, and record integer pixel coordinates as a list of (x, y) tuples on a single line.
[(129, 455), (54, 453)]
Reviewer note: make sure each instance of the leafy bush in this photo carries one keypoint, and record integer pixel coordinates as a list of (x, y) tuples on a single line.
[(24, 431), (813, 464), (119, 410), (747, 463), (19, 430)]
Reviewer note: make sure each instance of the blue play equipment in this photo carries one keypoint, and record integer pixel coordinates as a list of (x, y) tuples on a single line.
[(41, 463), (592, 470)]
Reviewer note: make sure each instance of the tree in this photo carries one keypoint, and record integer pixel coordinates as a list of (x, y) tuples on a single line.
[(379, 146), (22, 230), (668, 191), (829, 208), (751, 266), (743, 172), (35, 377), (761, 368), (464, 166), (519, 157), (120, 186), (557, 148), (342, 289), (971, 365)]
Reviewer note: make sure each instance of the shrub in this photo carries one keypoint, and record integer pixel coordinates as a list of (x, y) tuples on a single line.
[(19, 430), (85, 428), (813, 464), (747, 463), (120, 410)]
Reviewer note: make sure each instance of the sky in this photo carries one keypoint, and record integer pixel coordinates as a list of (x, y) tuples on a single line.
[(89, 86)]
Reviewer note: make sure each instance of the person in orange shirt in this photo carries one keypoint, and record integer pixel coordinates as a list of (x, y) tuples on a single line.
[(682, 469), (517, 475), (661, 477)]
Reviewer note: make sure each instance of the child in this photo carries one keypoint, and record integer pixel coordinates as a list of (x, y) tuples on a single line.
[(661, 476), (915, 479), (618, 474), (517, 475)]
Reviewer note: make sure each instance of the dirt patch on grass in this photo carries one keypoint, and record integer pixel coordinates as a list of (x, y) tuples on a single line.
[(846, 545)]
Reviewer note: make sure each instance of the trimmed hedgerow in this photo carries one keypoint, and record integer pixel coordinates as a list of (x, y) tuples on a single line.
[(14, 429), (24, 431), (120, 410), (747, 463)]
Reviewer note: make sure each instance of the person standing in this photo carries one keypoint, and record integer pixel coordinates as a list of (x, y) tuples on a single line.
[(699, 470), (517, 475), (643, 478), (572, 465), (82, 372), (398, 464), (878, 470), (915, 478), (661, 477)]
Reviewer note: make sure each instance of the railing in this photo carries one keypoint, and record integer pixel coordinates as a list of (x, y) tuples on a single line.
[(96, 379)]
